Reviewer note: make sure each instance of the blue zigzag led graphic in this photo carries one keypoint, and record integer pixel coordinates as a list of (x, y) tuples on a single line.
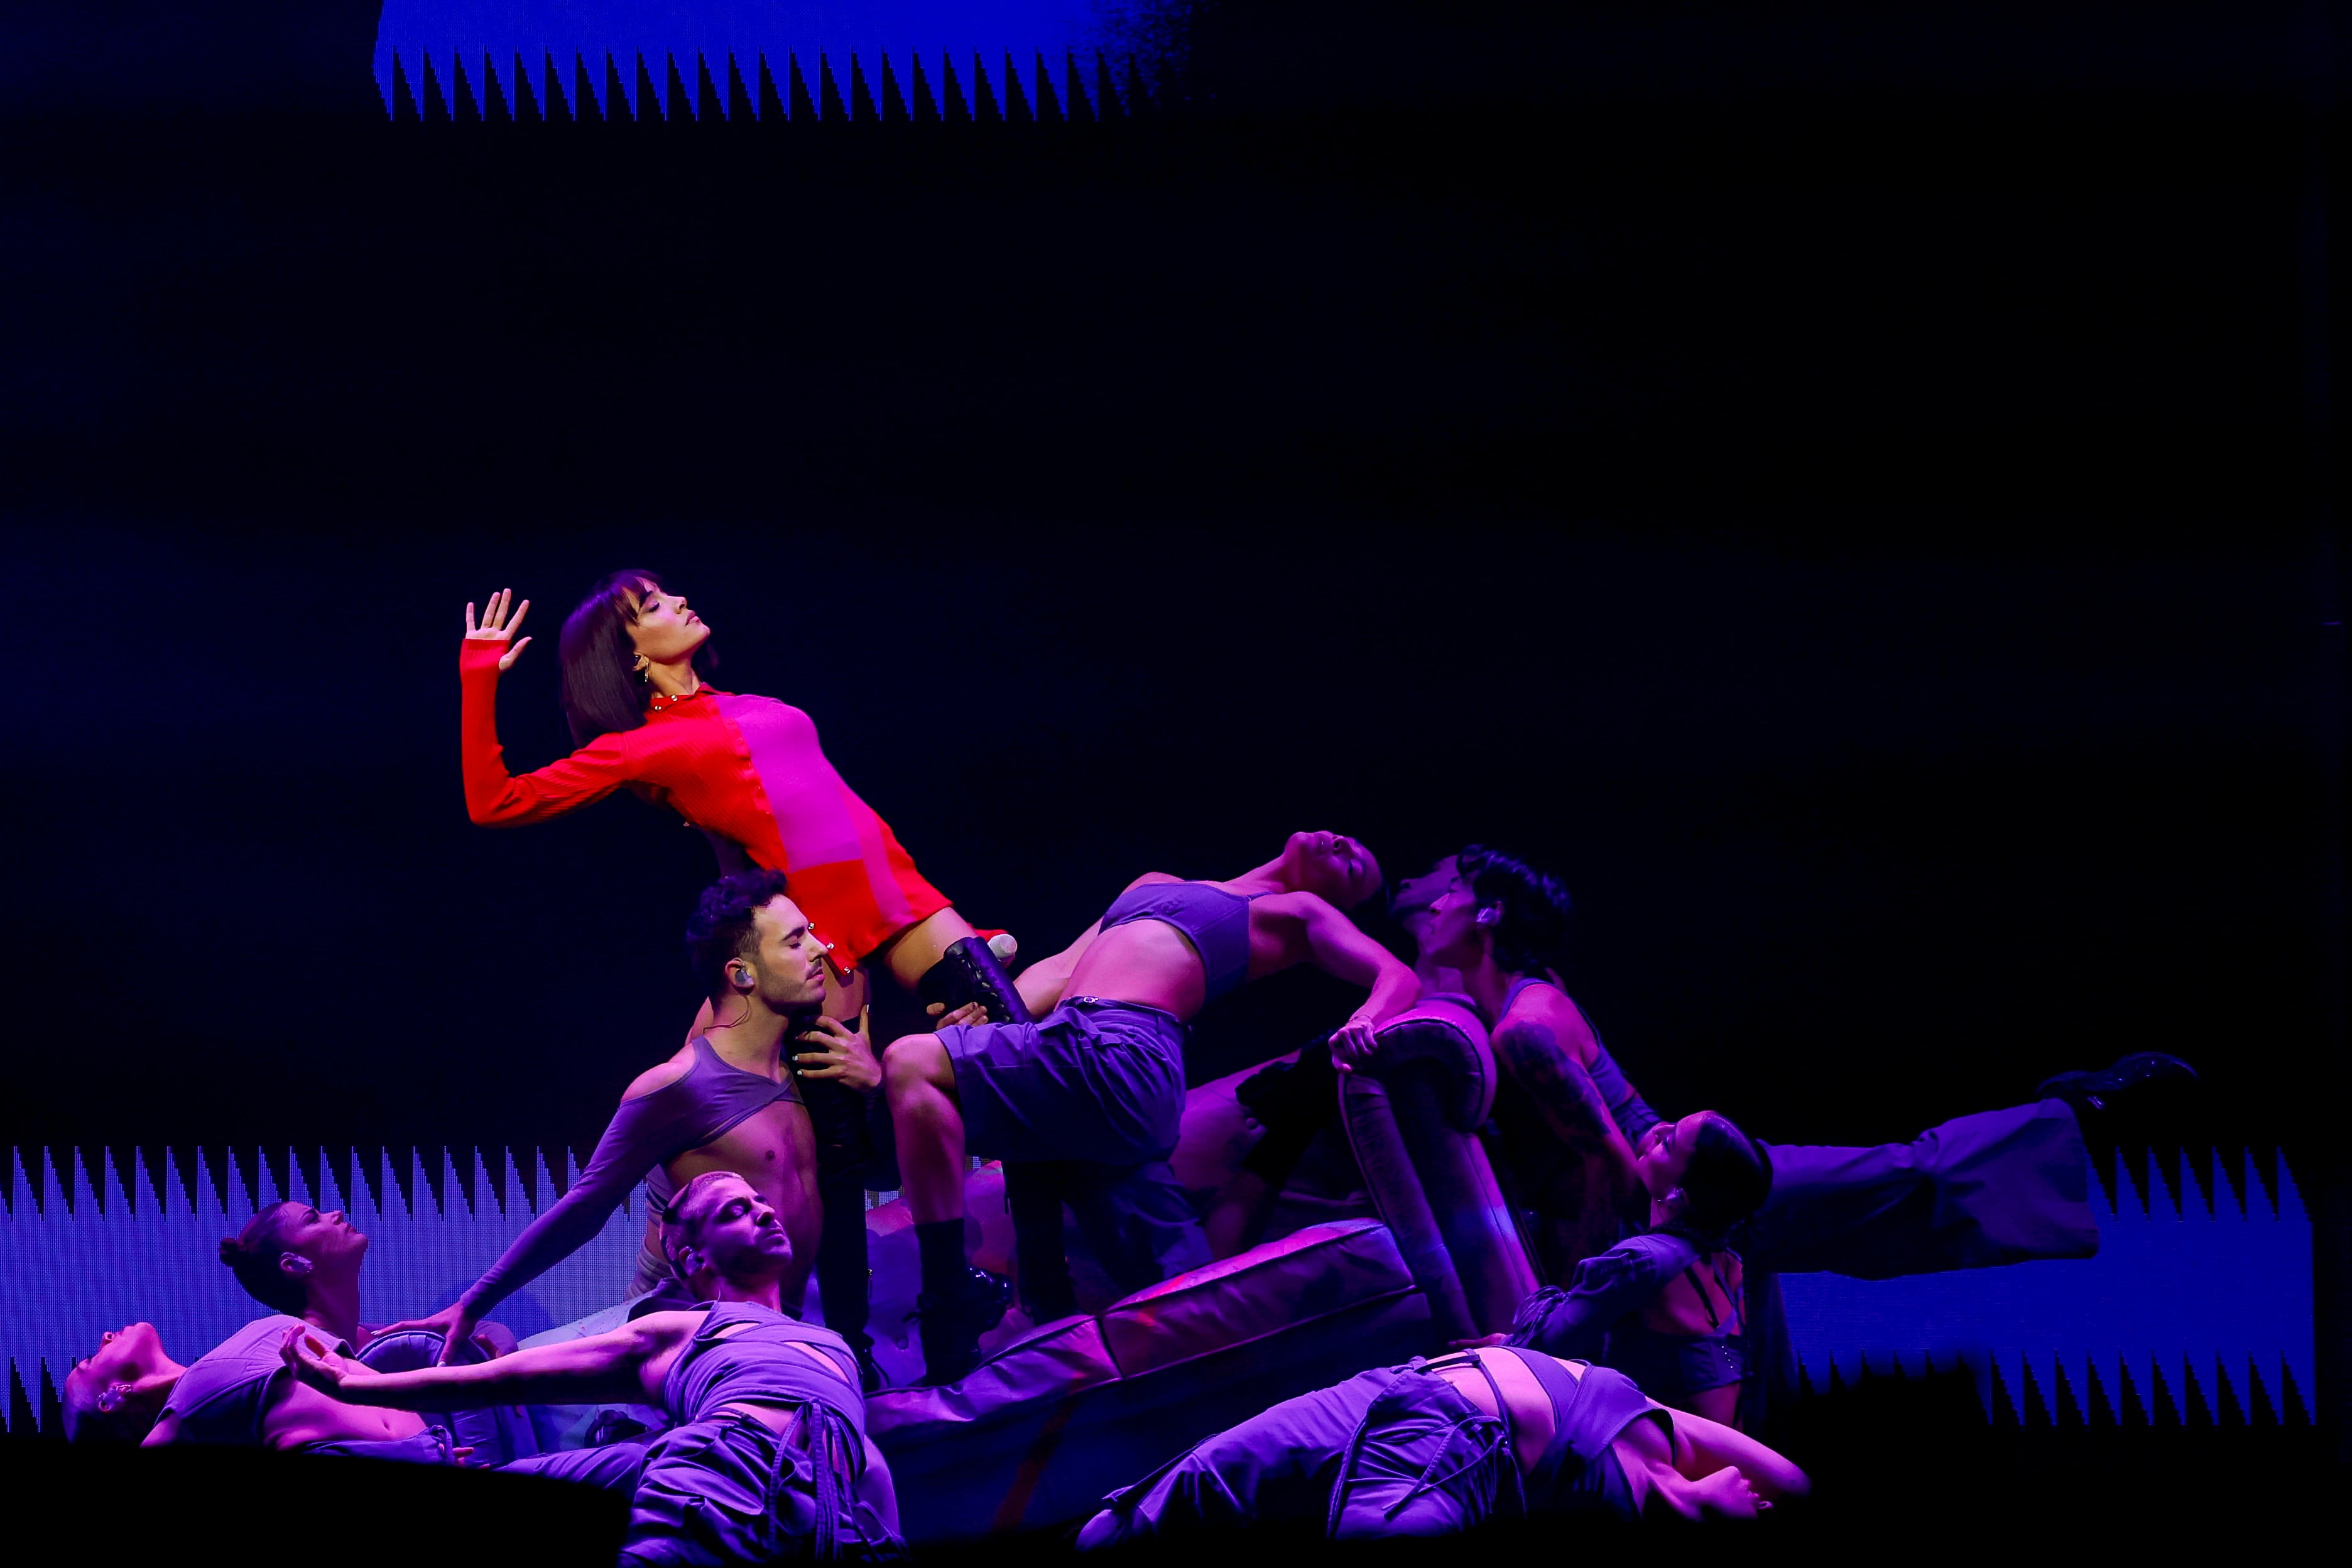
[(71, 1267), (617, 49), (2211, 1301), (2185, 1303)]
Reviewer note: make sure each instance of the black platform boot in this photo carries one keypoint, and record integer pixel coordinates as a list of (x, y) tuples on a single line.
[(968, 971), (844, 1270), (952, 1328)]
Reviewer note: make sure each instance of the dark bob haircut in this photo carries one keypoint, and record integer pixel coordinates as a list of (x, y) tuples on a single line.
[(602, 693), (1532, 935), (724, 919)]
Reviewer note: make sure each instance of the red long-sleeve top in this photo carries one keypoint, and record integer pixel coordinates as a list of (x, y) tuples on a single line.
[(748, 768)]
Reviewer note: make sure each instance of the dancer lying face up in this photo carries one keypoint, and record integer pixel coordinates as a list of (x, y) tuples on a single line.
[(1436, 1448), (305, 1264), (769, 1456), (238, 1394), (1100, 1077)]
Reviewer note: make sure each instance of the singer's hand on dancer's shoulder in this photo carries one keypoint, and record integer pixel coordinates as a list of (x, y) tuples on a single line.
[(462, 1456), (970, 1013), (454, 1323), (498, 625), (844, 1055)]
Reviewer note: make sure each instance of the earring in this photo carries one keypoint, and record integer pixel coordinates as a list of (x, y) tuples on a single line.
[(109, 1399)]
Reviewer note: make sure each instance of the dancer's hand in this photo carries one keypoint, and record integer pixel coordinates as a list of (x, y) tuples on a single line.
[(497, 626), (841, 1055), (456, 1325), (970, 1013), (1727, 1494), (305, 1350), (1483, 1342), (1352, 1044)]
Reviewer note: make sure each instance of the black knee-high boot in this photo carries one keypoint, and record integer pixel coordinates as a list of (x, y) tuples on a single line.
[(1033, 1192), (843, 1273), (959, 1303), (968, 971)]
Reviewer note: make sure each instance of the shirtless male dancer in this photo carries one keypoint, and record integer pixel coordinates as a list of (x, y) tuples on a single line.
[(1100, 1077), (766, 1459), (724, 1101), (1439, 1447)]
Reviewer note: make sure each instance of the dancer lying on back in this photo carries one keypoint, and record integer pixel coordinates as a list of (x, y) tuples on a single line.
[(768, 1458), (724, 1101), (1438, 1447), (305, 1265), (1100, 1077)]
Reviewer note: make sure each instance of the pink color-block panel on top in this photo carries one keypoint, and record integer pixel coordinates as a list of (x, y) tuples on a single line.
[(1281, 1286)]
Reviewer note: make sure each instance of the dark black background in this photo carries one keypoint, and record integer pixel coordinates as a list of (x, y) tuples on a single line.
[(1847, 493)]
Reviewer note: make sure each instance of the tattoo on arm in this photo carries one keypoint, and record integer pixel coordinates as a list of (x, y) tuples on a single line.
[(1533, 1054)]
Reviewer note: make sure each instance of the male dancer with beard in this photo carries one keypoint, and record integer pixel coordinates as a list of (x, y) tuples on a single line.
[(1996, 1187), (725, 1102), (1999, 1186), (768, 1457)]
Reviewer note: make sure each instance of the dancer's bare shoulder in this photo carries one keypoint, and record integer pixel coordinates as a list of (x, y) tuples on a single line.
[(662, 1077), (1545, 1015)]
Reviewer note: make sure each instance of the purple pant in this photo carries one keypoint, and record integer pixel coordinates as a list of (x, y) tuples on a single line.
[(2000, 1186), (1092, 1080), (1396, 1451), (728, 1490)]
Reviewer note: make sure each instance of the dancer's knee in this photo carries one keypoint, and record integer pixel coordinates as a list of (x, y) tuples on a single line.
[(913, 1063)]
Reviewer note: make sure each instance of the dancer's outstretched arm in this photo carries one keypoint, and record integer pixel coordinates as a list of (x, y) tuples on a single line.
[(633, 1144), (1703, 1446), (1336, 947), (627, 1363), (494, 798)]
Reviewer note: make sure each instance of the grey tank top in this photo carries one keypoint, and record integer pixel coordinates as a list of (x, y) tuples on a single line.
[(760, 1363), (1217, 922), (222, 1397)]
